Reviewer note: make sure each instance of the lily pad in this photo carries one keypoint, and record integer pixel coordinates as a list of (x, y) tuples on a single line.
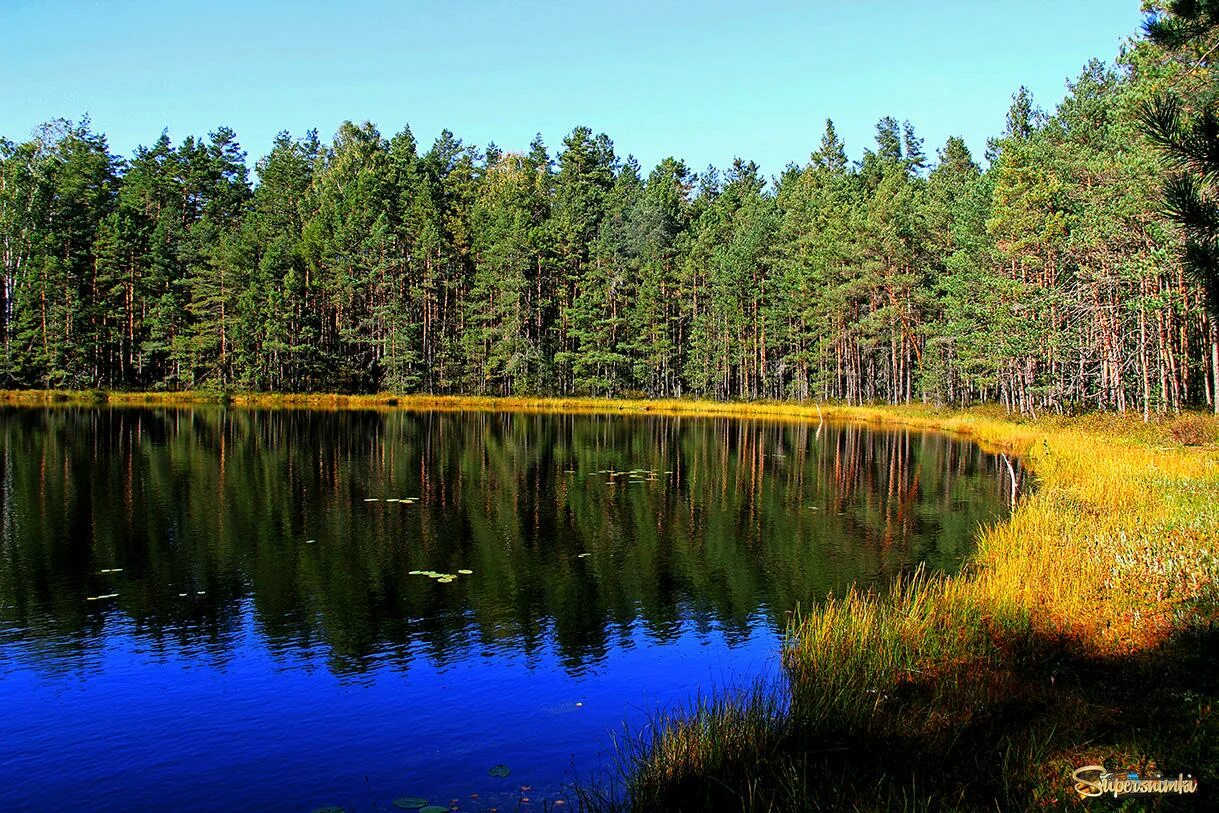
[(446, 580), (433, 809), (410, 802), (499, 770), (466, 572)]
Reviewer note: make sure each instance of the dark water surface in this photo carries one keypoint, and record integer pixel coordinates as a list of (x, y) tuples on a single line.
[(259, 643)]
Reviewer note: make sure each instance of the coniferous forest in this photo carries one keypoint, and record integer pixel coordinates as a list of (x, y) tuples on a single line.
[(1044, 275)]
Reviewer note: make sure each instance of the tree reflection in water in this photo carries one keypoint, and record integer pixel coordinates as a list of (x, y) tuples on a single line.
[(219, 518)]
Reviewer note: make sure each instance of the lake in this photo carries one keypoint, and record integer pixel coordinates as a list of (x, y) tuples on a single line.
[(222, 609)]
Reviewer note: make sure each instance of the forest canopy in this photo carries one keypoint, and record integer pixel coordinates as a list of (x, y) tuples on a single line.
[(1045, 276)]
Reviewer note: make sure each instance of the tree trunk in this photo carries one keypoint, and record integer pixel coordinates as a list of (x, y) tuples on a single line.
[(1215, 364)]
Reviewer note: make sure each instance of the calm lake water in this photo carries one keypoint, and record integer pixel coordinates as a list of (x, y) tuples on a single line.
[(201, 609)]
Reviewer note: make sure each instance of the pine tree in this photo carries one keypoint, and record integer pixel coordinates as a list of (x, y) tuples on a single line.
[(501, 340), (212, 252), (582, 186), (347, 244), (1189, 143), (660, 223), (58, 191), (279, 326)]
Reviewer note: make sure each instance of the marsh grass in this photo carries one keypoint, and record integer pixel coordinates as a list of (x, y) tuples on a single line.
[(1082, 632), (707, 750)]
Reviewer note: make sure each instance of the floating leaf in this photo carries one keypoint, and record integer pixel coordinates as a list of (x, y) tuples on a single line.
[(393, 499), (466, 572), (445, 580), (371, 499), (582, 555), (434, 809), (500, 771), (417, 573), (410, 802)]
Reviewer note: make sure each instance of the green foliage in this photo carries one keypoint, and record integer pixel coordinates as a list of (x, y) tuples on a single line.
[(1046, 280)]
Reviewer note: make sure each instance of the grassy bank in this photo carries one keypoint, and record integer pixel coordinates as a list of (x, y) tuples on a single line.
[(1083, 632)]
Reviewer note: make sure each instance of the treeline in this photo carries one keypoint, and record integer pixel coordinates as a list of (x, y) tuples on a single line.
[(1047, 281)]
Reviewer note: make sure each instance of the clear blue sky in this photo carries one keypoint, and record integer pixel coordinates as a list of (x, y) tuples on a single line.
[(705, 81)]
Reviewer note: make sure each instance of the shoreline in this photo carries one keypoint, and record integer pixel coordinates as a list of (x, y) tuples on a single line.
[(966, 423), (1069, 638)]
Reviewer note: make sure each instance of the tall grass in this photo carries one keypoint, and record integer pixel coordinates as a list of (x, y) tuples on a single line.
[(1082, 632)]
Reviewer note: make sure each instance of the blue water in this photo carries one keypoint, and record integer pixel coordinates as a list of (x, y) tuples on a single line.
[(201, 609), (125, 726)]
